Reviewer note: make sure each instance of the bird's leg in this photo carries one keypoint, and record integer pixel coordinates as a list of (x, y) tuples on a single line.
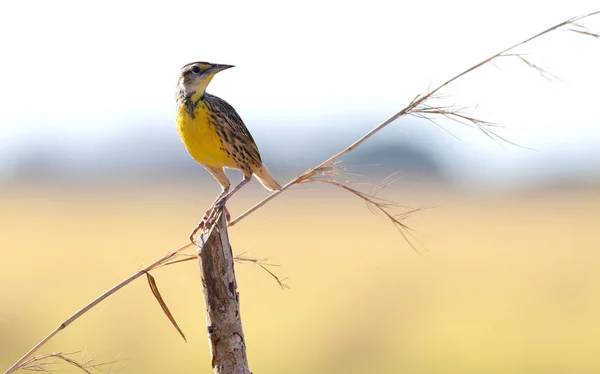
[(211, 214), (206, 220), (214, 204), (220, 202)]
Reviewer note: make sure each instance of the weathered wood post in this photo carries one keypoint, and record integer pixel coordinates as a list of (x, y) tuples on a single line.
[(223, 320)]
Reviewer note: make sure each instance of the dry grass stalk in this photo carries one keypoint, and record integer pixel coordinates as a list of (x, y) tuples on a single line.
[(263, 263), (156, 264), (418, 107), (45, 363), (331, 175), (33, 363)]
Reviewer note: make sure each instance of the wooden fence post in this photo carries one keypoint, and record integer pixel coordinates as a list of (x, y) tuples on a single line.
[(223, 319)]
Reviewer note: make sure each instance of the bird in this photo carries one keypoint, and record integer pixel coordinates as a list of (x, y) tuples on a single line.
[(214, 134)]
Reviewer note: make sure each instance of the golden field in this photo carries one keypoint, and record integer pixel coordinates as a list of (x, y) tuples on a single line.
[(509, 284)]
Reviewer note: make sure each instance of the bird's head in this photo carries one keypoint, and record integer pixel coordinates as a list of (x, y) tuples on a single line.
[(196, 76)]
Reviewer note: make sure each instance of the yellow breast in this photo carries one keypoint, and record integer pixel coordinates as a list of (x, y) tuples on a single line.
[(200, 137)]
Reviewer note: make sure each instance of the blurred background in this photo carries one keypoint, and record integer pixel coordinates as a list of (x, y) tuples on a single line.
[(94, 182)]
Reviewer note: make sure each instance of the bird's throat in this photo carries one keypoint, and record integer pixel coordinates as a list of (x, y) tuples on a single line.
[(191, 102)]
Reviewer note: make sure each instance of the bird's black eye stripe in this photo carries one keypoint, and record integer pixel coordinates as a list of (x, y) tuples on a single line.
[(196, 70)]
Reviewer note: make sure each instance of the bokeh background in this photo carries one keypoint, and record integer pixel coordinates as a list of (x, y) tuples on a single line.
[(94, 182)]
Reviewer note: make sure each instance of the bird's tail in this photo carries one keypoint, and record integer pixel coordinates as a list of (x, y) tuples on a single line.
[(267, 180)]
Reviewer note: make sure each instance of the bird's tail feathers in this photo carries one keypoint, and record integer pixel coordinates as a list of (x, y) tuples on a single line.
[(266, 179)]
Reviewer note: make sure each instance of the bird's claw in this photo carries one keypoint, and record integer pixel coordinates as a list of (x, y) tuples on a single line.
[(200, 227), (209, 218), (219, 204)]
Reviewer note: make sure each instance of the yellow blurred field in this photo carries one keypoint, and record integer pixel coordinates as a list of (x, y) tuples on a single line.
[(509, 284)]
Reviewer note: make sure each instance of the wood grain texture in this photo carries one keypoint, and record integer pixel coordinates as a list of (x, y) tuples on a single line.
[(223, 320)]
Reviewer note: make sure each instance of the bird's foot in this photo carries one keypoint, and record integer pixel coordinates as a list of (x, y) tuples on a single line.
[(204, 223), (220, 203), (209, 218), (198, 228), (220, 206)]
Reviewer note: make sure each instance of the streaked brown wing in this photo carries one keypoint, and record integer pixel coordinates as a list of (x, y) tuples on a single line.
[(228, 117)]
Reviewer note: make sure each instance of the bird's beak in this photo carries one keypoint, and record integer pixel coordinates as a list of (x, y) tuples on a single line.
[(217, 68)]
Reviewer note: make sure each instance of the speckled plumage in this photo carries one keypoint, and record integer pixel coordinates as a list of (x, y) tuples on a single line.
[(213, 132)]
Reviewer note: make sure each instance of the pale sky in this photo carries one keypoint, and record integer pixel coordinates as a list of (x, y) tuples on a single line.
[(75, 69)]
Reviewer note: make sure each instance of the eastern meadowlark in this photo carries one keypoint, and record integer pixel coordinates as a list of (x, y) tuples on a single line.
[(214, 134)]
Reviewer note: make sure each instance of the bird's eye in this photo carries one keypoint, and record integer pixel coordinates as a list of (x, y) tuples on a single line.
[(196, 70)]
